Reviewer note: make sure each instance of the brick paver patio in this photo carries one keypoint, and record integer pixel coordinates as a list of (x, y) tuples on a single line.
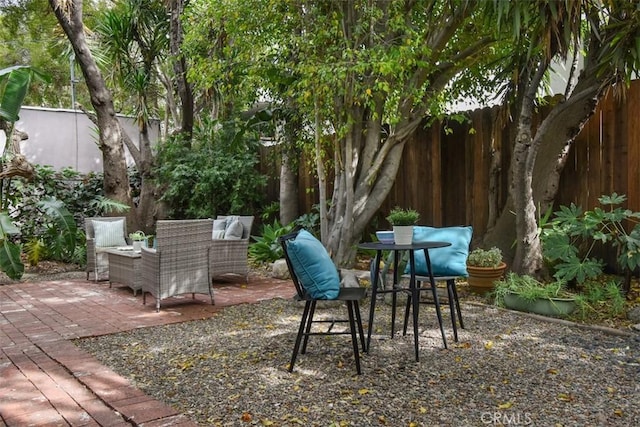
[(45, 380)]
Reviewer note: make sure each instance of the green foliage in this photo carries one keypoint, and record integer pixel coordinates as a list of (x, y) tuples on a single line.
[(310, 221), (527, 288), (602, 297), (399, 216), (270, 212), (485, 257), (267, 248), (14, 83), (594, 298), (216, 175), (61, 229), (568, 240), (137, 236), (41, 209), (35, 249), (10, 261)]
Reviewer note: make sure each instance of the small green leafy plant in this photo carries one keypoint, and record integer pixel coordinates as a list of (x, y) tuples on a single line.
[(592, 299), (399, 216), (267, 248), (137, 236), (569, 239), (488, 258), (528, 288)]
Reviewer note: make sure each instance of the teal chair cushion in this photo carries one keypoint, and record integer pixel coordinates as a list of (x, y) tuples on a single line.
[(314, 268), (447, 261)]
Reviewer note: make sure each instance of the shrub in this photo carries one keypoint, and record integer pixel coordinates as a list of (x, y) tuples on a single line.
[(214, 174), (267, 248)]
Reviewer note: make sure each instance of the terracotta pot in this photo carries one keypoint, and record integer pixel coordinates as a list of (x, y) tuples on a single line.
[(481, 279)]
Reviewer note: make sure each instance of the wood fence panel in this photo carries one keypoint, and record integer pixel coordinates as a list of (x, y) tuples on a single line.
[(446, 176), (633, 142)]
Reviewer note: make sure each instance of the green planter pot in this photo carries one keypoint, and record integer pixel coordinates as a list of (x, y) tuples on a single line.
[(554, 307)]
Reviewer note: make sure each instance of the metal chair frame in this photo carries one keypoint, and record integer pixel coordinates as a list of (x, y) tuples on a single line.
[(351, 297)]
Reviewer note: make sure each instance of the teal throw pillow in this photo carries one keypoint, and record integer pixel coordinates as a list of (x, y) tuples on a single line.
[(447, 261), (314, 268)]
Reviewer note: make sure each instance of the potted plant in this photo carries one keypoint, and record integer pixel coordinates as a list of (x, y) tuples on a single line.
[(403, 221), (484, 266), (137, 238), (525, 293)]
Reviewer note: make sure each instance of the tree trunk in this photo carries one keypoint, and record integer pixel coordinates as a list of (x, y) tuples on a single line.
[(185, 92), (528, 256), (116, 180), (289, 205), (554, 137)]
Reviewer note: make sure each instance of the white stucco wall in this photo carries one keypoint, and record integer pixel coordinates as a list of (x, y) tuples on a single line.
[(67, 138)]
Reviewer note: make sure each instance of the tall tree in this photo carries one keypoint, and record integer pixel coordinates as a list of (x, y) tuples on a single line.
[(132, 36), (29, 36), (69, 14), (547, 30), (358, 68)]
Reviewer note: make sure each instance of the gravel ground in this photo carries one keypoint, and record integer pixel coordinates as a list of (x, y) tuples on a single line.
[(507, 369)]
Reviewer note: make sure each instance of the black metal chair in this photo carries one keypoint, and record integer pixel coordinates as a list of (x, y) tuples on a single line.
[(452, 299), (350, 295)]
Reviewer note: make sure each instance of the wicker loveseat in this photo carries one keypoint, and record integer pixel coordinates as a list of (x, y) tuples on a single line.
[(231, 256), (113, 235), (180, 263)]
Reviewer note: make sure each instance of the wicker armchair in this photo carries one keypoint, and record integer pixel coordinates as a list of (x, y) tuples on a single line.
[(180, 264), (97, 258), (231, 256)]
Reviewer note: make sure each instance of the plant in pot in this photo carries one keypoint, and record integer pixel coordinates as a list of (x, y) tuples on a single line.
[(485, 266), (403, 221), (136, 239), (525, 293)]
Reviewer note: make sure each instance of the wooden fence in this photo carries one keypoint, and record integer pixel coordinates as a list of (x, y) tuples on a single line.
[(446, 176)]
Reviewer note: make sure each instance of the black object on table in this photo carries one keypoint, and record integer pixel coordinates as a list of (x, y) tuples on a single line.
[(413, 288)]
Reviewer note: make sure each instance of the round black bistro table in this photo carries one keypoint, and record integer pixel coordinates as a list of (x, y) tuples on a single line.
[(379, 247)]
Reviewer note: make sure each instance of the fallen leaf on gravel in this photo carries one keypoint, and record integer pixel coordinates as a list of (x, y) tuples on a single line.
[(267, 423), (552, 371), (611, 390), (488, 345), (565, 397), (462, 345), (505, 405), (363, 391), (618, 412)]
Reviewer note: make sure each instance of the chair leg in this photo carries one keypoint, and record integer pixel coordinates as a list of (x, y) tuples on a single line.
[(457, 301), (452, 310), (309, 322), (439, 314), (356, 305), (301, 329), (354, 338), (407, 308)]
